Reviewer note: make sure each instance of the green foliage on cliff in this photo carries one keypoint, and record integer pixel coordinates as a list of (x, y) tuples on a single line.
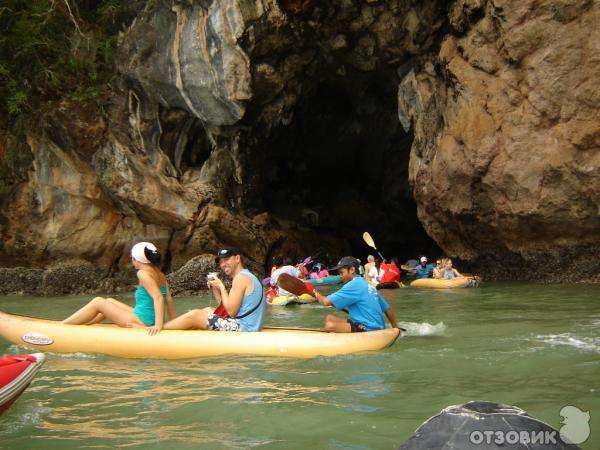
[(58, 49), (16, 160), (53, 53)]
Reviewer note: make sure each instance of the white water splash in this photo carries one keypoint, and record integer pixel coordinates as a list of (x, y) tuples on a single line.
[(590, 344), (423, 329)]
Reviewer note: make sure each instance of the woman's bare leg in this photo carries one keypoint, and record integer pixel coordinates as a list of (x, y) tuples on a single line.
[(107, 309), (194, 319), (100, 317)]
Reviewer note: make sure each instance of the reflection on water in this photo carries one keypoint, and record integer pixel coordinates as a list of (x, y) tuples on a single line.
[(533, 346)]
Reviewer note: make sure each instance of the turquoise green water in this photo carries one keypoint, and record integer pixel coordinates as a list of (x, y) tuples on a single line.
[(536, 347)]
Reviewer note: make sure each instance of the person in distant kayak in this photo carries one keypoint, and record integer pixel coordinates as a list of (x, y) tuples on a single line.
[(323, 272), (450, 272), (318, 271), (424, 270), (302, 270), (361, 268), (284, 267), (371, 272), (151, 297), (314, 272), (365, 306), (438, 269), (389, 275), (244, 303)]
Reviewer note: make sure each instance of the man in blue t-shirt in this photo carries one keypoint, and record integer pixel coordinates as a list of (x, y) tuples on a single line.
[(424, 270), (362, 301)]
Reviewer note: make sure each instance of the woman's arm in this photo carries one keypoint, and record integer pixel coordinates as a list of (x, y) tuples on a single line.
[(170, 304)]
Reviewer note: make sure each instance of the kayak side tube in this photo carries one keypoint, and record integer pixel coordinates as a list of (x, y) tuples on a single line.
[(54, 336)]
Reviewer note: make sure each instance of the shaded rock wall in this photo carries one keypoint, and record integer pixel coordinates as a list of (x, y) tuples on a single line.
[(505, 159)]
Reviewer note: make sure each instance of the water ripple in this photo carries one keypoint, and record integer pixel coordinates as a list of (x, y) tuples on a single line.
[(589, 344)]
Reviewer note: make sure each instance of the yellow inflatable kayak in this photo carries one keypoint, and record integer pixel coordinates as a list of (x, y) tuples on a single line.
[(54, 336), (283, 300), (442, 283)]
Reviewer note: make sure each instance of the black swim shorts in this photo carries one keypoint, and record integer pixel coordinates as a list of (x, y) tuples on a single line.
[(356, 327)]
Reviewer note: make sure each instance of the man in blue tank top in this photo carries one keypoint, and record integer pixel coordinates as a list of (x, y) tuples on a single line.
[(365, 306), (244, 304)]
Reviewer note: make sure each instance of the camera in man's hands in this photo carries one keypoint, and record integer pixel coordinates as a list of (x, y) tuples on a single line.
[(211, 276)]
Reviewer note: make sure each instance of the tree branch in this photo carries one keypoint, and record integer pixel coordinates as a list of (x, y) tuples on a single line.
[(73, 19)]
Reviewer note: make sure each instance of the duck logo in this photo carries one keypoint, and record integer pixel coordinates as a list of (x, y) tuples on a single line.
[(576, 428)]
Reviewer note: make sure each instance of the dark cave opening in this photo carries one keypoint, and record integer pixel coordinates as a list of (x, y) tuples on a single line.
[(341, 168)]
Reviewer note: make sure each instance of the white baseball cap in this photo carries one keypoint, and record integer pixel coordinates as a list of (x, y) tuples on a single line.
[(423, 259), (138, 251)]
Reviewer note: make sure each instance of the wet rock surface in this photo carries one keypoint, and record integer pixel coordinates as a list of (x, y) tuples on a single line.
[(20, 280)]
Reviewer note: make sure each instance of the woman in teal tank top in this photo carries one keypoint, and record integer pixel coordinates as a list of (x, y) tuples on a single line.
[(144, 304), (151, 297)]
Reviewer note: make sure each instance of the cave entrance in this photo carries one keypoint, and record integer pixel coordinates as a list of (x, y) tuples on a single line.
[(341, 167)]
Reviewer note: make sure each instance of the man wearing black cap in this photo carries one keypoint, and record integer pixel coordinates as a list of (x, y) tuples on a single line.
[(362, 301), (244, 303)]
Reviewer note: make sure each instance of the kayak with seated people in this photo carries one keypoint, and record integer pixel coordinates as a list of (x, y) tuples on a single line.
[(331, 279), (284, 300), (109, 339), (444, 283)]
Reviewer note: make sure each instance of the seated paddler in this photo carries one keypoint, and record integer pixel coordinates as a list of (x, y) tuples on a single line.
[(365, 306), (240, 309)]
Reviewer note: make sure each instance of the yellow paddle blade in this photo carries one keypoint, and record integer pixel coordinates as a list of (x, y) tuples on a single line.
[(369, 240)]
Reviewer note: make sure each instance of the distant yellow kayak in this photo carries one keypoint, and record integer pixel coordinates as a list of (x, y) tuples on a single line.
[(54, 336), (442, 283), (283, 300)]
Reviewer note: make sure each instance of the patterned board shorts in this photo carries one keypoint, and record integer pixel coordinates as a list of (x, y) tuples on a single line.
[(220, 324)]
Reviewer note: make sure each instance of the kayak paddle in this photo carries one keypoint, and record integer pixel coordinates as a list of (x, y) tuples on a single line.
[(371, 243), (294, 285)]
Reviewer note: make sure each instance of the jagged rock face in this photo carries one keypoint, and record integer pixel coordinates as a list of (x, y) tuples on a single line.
[(505, 158), (287, 126), (335, 64), (187, 56)]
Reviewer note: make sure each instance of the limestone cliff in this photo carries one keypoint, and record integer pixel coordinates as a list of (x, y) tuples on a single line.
[(504, 166), (291, 126)]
